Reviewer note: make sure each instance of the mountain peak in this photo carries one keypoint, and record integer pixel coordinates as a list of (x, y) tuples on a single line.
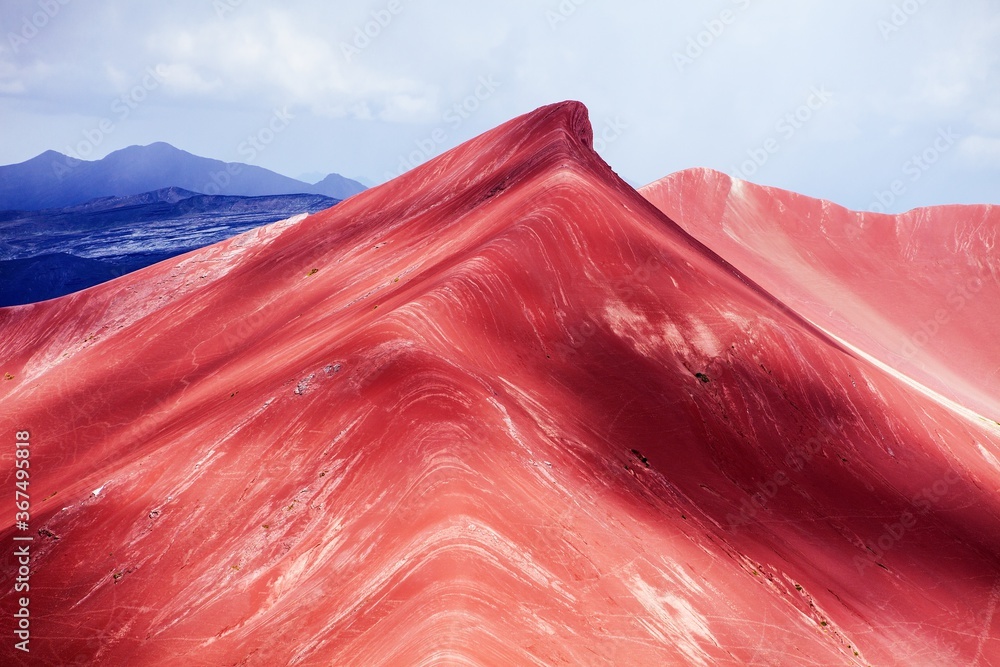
[(50, 180), (572, 115), (553, 135), (155, 150), (44, 159), (338, 187)]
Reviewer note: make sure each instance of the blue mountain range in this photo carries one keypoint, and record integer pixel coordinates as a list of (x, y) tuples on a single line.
[(52, 252), (68, 224), (54, 180)]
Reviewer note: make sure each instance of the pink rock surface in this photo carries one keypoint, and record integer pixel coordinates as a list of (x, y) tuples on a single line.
[(498, 411), (916, 291)]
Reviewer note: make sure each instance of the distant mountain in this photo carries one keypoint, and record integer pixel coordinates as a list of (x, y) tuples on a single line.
[(336, 183), (52, 252), (54, 180)]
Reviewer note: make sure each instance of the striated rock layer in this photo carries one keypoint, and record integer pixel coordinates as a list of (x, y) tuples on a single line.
[(915, 291), (498, 411)]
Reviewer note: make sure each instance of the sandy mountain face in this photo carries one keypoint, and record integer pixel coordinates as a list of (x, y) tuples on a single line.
[(501, 410)]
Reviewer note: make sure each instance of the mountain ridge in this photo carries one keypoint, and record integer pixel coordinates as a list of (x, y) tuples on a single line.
[(852, 272), (49, 253), (54, 180)]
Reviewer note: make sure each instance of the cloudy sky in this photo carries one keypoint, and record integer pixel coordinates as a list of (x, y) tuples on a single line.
[(844, 100)]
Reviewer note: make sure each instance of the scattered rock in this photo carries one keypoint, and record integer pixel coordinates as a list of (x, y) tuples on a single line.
[(303, 385), (641, 458)]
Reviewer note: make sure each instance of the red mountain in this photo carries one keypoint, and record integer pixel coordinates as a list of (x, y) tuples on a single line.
[(914, 291), (499, 411)]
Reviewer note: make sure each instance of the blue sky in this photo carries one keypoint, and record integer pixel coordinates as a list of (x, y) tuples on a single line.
[(872, 104)]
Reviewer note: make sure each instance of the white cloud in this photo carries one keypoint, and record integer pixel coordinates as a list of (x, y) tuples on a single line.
[(402, 108), (13, 87), (987, 118), (183, 79), (275, 58), (981, 150), (940, 69)]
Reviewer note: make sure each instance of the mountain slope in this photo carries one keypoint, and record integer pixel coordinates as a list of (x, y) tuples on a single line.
[(53, 180), (497, 411), (916, 291)]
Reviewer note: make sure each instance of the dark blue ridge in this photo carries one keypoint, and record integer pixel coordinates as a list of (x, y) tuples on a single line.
[(52, 252)]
